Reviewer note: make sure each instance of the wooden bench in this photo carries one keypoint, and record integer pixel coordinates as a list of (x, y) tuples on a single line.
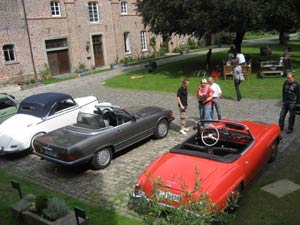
[(271, 68), (227, 71)]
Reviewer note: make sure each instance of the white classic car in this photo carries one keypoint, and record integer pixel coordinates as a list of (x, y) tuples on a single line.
[(39, 114)]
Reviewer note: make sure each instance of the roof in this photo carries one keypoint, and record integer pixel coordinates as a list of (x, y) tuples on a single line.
[(40, 104)]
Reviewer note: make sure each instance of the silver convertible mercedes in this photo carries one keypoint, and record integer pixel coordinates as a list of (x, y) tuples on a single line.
[(97, 136)]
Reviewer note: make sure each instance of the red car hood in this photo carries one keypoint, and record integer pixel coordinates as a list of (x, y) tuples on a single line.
[(179, 173)]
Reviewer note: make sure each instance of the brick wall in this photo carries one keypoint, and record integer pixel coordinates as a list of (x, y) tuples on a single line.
[(74, 25)]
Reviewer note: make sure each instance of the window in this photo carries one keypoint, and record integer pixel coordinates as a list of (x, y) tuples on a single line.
[(9, 53), (127, 42), (61, 105), (93, 12), (144, 40), (55, 8), (56, 43), (123, 7), (7, 103)]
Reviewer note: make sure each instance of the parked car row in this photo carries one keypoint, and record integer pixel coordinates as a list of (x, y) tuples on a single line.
[(8, 106), (223, 156)]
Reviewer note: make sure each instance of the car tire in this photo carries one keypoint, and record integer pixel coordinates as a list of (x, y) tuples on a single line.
[(32, 140), (161, 129), (274, 151), (102, 159)]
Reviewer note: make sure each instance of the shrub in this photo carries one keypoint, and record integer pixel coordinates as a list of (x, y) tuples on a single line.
[(46, 73), (49, 208), (81, 68), (198, 211), (56, 208), (192, 43), (40, 204)]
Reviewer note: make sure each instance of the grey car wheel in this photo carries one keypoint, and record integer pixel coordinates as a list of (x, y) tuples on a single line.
[(102, 158), (161, 129)]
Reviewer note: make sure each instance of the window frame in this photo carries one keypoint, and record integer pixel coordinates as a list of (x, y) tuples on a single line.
[(144, 41), (94, 13), (9, 53), (55, 8), (127, 44), (124, 8)]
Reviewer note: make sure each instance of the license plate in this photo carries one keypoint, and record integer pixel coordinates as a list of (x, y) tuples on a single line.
[(167, 195), (50, 152)]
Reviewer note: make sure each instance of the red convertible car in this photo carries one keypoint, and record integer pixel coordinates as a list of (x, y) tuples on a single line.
[(219, 161)]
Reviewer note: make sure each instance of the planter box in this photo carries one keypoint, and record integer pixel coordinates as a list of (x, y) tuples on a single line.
[(21, 213), (21, 206), (31, 218)]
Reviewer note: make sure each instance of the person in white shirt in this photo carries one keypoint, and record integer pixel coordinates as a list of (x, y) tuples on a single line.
[(217, 93), (241, 58)]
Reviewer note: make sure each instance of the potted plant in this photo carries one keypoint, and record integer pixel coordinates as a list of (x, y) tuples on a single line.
[(42, 210), (82, 70), (46, 211), (46, 73), (114, 65)]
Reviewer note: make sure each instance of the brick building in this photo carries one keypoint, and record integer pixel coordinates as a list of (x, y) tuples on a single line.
[(65, 34)]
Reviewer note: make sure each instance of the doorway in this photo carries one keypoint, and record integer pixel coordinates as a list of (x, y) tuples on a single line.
[(98, 50), (58, 56)]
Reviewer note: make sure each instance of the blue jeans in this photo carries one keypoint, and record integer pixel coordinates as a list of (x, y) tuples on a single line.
[(217, 106), (205, 113)]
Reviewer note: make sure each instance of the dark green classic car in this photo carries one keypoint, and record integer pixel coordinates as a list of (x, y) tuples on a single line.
[(8, 106)]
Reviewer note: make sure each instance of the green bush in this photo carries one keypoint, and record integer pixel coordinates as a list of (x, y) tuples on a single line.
[(192, 43), (56, 208), (199, 211), (81, 68), (40, 204)]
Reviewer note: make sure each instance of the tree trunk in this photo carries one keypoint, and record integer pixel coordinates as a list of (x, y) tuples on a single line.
[(281, 37), (238, 40)]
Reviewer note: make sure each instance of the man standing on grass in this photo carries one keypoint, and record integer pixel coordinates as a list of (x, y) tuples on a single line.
[(290, 97), (182, 95)]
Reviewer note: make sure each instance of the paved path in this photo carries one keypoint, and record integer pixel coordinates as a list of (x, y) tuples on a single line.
[(111, 187)]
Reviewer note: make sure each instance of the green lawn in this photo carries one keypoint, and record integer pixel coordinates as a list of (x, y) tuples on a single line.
[(169, 76), (97, 214), (261, 208)]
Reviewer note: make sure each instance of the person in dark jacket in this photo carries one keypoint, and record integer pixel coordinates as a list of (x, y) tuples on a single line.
[(182, 100), (290, 97)]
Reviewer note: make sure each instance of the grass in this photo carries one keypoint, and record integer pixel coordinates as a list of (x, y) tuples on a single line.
[(261, 208), (255, 35), (97, 214), (169, 76)]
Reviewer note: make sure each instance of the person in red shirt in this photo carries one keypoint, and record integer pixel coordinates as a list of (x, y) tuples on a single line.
[(204, 96)]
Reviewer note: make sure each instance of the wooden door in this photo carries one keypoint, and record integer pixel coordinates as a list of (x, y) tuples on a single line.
[(98, 54), (58, 62)]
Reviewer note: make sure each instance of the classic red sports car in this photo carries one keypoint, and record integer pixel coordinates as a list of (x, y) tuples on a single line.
[(218, 160)]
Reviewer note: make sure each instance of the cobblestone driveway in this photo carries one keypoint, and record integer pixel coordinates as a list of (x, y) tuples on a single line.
[(111, 187)]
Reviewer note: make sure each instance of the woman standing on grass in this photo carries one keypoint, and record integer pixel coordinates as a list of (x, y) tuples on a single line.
[(237, 74)]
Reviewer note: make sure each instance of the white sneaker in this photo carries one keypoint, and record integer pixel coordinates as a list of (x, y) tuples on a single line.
[(182, 132), (186, 129)]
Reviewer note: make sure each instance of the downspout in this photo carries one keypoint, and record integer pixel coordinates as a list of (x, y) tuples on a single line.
[(29, 40), (114, 30)]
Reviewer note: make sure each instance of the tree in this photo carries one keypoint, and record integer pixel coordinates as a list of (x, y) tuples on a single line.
[(281, 15), (200, 17)]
